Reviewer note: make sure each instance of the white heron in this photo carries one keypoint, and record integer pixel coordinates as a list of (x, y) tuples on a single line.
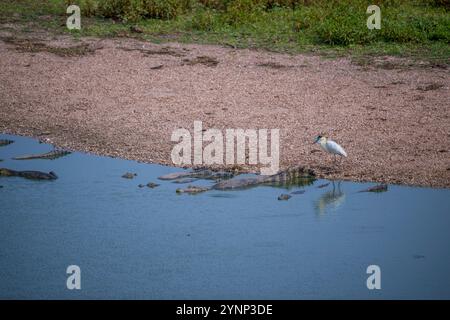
[(330, 146)]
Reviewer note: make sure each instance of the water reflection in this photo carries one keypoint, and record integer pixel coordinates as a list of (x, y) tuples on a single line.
[(331, 199)]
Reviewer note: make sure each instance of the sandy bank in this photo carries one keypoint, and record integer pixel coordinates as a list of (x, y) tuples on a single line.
[(121, 97)]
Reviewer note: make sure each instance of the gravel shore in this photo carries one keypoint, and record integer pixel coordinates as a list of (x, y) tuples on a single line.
[(124, 98)]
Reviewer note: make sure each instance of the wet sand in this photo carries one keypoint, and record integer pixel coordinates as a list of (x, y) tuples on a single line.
[(123, 98)]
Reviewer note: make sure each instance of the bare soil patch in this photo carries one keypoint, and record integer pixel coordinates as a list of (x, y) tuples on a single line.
[(124, 97)]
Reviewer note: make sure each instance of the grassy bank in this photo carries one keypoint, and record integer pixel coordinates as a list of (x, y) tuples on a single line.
[(415, 28)]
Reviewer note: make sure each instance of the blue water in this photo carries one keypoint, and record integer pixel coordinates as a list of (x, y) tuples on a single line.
[(146, 243)]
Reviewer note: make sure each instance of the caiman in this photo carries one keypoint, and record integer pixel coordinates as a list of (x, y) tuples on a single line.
[(129, 175), (201, 174), (152, 185), (192, 189), (5, 142), (184, 180), (34, 175), (377, 188), (284, 197), (298, 175), (54, 154)]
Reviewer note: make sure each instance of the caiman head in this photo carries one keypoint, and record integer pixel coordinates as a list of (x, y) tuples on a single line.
[(5, 172), (53, 175)]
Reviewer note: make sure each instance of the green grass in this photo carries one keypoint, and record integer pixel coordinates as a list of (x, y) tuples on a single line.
[(418, 29)]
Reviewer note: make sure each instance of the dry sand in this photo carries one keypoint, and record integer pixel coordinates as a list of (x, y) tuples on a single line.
[(123, 98)]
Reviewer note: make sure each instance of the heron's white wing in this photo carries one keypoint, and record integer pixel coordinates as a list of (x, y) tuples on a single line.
[(333, 147)]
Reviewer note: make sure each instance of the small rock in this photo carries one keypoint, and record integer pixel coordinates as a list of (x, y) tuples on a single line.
[(136, 29), (284, 197), (129, 175), (152, 185), (141, 185)]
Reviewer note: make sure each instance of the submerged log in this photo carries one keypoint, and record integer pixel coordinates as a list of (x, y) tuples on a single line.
[(34, 175)]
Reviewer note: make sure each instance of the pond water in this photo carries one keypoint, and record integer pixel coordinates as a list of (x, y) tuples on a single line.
[(142, 243)]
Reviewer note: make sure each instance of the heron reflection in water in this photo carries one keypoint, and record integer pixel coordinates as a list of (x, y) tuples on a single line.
[(331, 199)]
